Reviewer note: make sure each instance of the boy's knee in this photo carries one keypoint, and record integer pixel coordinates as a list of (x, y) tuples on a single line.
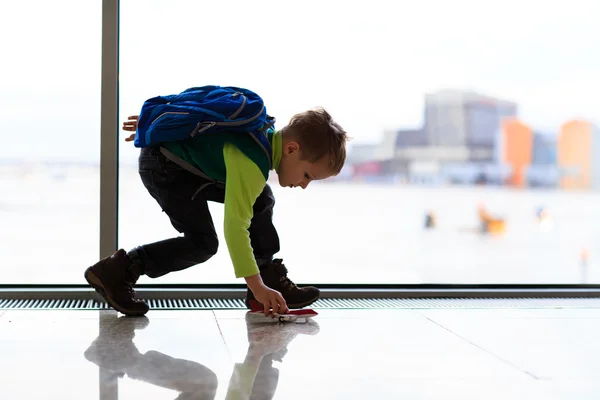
[(212, 246), (206, 246), (265, 201), (268, 194)]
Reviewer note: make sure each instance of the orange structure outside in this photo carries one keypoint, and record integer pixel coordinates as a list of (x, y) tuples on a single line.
[(517, 145), (574, 154)]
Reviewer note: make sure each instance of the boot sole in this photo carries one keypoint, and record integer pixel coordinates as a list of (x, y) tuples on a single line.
[(96, 283), (304, 304)]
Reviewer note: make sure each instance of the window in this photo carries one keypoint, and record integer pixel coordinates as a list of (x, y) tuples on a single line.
[(50, 134), (372, 71)]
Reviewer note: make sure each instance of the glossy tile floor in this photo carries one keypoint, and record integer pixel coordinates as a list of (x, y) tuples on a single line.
[(341, 354)]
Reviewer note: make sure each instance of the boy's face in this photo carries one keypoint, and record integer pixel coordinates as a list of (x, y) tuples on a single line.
[(295, 172)]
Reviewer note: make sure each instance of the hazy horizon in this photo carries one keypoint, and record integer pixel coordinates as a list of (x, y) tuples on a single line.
[(369, 64)]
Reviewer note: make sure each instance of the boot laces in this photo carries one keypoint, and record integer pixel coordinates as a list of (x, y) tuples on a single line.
[(129, 281), (288, 283), (128, 286), (285, 281)]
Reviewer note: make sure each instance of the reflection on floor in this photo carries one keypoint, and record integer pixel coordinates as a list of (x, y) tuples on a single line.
[(341, 354)]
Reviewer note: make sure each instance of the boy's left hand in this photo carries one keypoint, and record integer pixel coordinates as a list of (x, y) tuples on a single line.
[(131, 126)]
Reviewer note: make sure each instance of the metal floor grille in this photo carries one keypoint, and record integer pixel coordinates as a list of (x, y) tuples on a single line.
[(326, 303)]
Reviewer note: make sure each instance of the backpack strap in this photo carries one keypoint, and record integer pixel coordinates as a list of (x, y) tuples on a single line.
[(185, 165), (261, 137)]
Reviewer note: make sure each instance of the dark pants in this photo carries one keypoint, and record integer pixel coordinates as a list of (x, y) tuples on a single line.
[(177, 192)]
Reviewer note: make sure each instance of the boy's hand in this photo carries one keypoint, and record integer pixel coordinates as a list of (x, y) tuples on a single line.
[(268, 297), (271, 299), (131, 126)]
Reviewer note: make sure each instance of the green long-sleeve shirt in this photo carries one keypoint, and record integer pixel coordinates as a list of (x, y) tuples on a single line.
[(244, 183)]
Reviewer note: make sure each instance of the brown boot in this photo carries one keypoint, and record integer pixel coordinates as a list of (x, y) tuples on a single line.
[(274, 275), (113, 277)]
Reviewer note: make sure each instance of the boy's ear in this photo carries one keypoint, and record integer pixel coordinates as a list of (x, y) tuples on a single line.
[(291, 147)]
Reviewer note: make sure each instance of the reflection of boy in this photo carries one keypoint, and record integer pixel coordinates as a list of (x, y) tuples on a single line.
[(114, 351), (183, 176), (256, 378)]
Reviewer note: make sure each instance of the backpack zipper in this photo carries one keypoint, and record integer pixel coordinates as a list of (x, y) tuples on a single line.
[(233, 123)]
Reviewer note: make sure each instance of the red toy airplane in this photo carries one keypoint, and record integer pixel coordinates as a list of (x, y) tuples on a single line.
[(291, 316)]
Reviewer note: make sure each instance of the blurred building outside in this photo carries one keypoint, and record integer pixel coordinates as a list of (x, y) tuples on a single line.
[(472, 138)]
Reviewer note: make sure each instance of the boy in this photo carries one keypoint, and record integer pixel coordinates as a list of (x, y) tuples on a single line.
[(182, 176)]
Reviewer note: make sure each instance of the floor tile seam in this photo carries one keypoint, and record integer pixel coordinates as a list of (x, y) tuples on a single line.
[(222, 336), (498, 357)]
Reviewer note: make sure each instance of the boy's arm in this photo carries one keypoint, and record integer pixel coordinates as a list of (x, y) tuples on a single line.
[(245, 182)]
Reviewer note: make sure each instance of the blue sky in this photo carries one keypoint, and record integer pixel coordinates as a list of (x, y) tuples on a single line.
[(368, 62)]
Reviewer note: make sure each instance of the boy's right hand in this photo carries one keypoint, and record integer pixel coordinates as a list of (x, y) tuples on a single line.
[(271, 299), (268, 297)]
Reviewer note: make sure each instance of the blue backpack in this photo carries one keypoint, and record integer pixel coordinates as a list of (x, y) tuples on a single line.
[(203, 110)]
